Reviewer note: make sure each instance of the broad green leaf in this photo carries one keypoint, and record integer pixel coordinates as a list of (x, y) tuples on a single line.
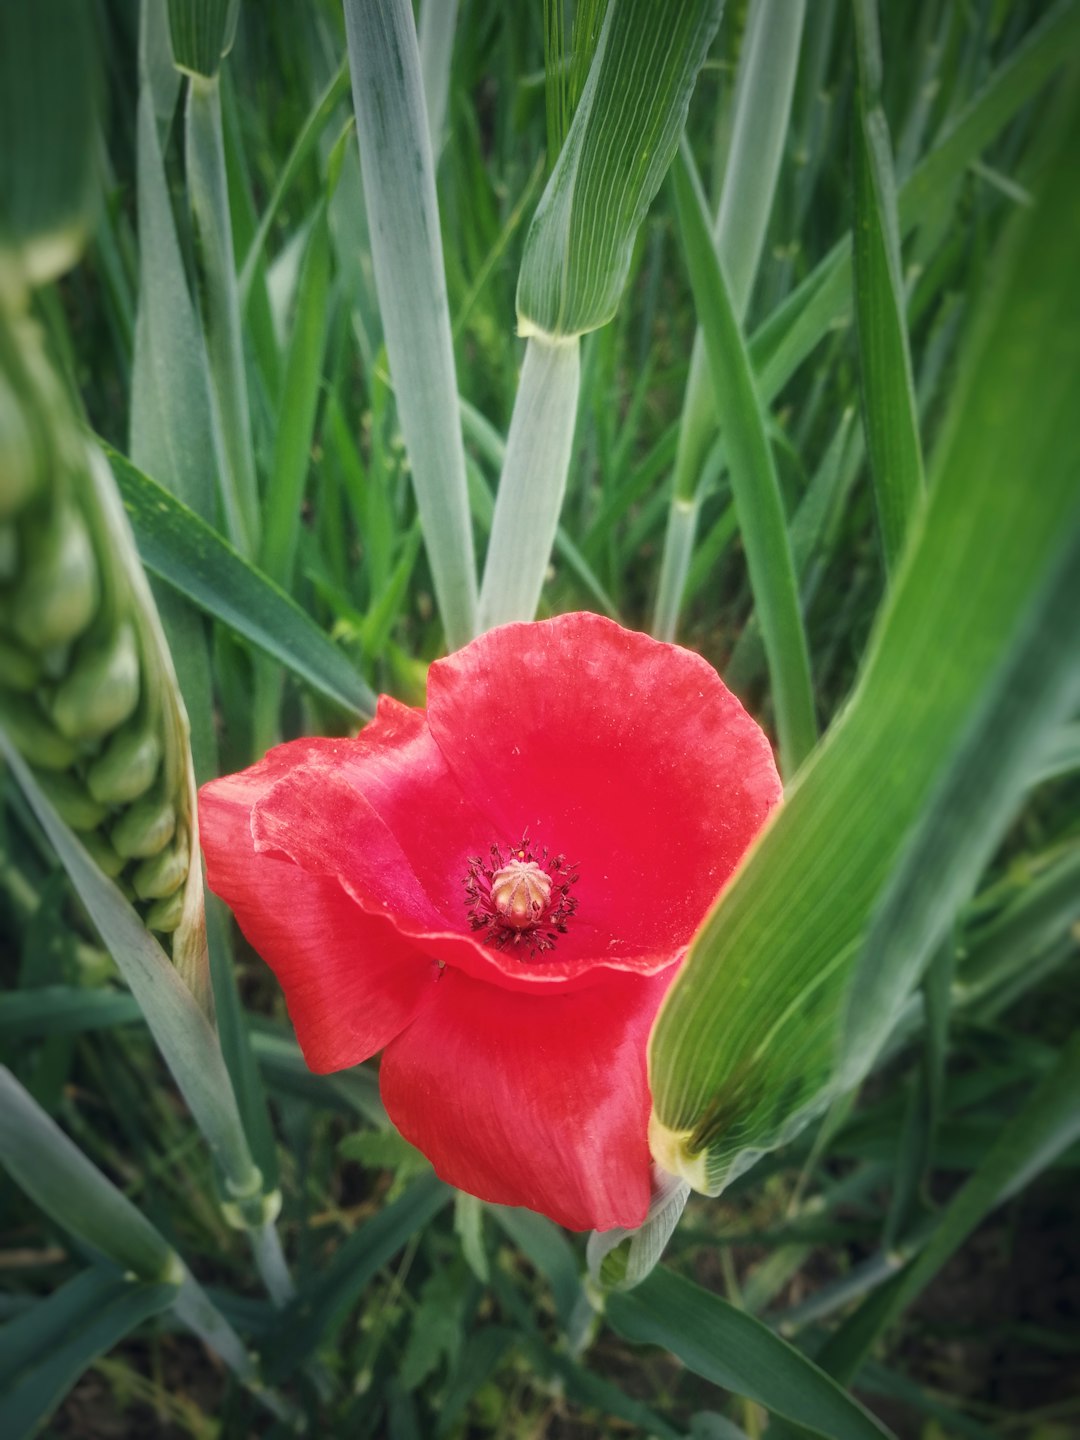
[(888, 391), (730, 1348), (194, 559), (533, 482), (403, 217), (49, 90), (623, 135), (800, 971), (754, 481), (43, 1353)]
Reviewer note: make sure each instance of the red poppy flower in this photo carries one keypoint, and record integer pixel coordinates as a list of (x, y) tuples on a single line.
[(497, 891)]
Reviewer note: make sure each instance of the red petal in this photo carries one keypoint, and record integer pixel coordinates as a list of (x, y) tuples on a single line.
[(383, 815), (628, 756), (533, 1100), (351, 981)]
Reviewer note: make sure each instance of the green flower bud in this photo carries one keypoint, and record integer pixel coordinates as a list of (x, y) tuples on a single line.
[(162, 874), (103, 854), (19, 473), (127, 766), (102, 688), (9, 554), (18, 670), (72, 801), (165, 915), (31, 731), (146, 828), (57, 595)]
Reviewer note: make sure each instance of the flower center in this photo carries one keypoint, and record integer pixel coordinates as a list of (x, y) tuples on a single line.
[(521, 900), (521, 892)]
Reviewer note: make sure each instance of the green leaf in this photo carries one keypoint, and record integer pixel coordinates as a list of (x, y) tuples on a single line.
[(888, 391), (754, 481), (730, 1348), (193, 558), (44, 1352), (64, 1010), (972, 665), (403, 216), (623, 135)]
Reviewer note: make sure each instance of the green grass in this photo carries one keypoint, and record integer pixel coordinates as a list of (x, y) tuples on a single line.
[(227, 334)]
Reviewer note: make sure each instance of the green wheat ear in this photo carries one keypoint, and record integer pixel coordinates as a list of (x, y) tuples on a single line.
[(88, 693)]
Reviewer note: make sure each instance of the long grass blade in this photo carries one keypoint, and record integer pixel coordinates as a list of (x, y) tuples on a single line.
[(768, 64), (208, 189), (183, 550), (730, 1348), (68, 1331), (754, 481), (402, 211), (436, 37), (889, 411), (533, 482)]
